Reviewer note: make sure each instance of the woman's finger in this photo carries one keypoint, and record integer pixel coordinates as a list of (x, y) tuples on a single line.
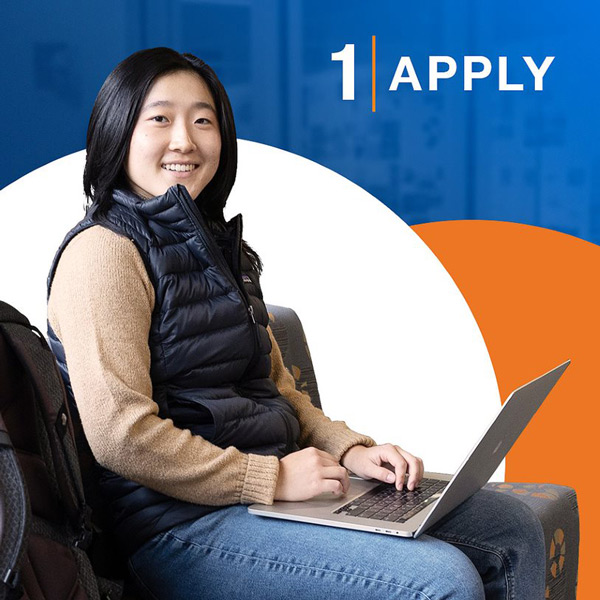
[(415, 468), (391, 455), (382, 474), (337, 473), (333, 486)]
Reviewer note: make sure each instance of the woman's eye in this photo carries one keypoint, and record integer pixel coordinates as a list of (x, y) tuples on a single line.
[(159, 119), (203, 121)]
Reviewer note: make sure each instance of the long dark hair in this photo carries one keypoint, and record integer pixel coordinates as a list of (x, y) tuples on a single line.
[(115, 115)]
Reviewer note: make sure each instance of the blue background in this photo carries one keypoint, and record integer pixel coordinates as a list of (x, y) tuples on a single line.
[(528, 156)]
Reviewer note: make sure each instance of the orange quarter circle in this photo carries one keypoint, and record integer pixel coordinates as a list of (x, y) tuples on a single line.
[(535, 294)]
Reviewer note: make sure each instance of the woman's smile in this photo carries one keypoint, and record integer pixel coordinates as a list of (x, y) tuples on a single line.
[(181, 167), (176, 138)]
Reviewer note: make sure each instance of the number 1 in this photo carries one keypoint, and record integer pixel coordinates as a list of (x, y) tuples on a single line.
[(347, 57)]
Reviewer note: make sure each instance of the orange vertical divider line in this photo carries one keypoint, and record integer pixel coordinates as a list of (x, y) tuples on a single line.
[(373, 75)]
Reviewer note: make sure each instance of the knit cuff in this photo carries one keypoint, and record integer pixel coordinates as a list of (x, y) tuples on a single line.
[(260, 480), (337, 441)]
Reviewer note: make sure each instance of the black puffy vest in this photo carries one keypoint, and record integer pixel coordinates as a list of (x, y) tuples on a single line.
[(209, 346)]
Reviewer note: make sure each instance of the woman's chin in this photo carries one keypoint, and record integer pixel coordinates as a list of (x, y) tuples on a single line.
[(185, 179)]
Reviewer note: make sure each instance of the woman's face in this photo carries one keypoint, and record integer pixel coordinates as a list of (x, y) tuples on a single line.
[(176, 138)]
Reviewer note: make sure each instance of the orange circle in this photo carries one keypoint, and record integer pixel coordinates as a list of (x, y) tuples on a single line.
[(535, 294)]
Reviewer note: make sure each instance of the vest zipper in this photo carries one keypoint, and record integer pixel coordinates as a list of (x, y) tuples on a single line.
[(198, 221)]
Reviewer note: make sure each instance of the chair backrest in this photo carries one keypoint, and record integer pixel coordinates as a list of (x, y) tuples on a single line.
[(288, 332)]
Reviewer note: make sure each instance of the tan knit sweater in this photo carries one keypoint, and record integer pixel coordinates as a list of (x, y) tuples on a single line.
[(100, 307)]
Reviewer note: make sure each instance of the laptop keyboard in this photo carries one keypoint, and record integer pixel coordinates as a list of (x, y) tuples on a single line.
[(385, 503)]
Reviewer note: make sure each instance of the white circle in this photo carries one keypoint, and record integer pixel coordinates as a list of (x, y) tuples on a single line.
[(397, 352)]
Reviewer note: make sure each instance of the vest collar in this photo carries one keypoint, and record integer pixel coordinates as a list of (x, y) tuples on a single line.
[(172, 208), (152, 207)]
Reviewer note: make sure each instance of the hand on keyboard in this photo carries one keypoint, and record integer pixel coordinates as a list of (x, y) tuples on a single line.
[(387, 463)]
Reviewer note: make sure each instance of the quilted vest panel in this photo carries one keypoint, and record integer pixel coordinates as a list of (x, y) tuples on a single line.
[(210, 349)]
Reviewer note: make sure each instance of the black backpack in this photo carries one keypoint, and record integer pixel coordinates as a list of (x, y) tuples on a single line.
[(45, 525)]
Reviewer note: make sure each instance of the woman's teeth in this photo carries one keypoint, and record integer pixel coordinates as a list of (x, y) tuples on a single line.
[(177, 167)]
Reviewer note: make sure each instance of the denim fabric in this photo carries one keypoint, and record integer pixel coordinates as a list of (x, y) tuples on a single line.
[(495, 551)]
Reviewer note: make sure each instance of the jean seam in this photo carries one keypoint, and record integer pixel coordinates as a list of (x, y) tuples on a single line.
[(297, 564), (504, 558)]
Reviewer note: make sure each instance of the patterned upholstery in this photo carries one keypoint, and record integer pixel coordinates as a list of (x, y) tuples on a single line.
[(555, 505), (288, 332)]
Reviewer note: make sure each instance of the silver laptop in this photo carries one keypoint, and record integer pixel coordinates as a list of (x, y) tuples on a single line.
[(379, 507)]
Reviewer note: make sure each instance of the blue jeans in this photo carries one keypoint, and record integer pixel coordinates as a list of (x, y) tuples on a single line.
[(491, 546)]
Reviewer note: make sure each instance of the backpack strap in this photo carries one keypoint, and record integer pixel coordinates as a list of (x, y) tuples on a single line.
[(37, 359)]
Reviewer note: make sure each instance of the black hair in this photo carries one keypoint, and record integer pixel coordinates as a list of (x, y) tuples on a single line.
[(115, 114)]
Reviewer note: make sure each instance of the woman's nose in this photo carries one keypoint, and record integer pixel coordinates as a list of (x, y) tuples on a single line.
[(181, 139)]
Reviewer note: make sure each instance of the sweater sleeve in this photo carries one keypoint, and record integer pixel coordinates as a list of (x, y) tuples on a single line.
[(316, 429), (100, 307)]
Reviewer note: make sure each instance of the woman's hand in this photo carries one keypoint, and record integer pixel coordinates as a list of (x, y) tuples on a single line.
[(372, 463), (308, 473)]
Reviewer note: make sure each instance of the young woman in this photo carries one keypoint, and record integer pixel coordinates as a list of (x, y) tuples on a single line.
[(158, 322)]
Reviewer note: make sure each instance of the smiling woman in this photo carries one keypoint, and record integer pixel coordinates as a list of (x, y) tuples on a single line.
[(157, 318), (176, 138), (144, 92)]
